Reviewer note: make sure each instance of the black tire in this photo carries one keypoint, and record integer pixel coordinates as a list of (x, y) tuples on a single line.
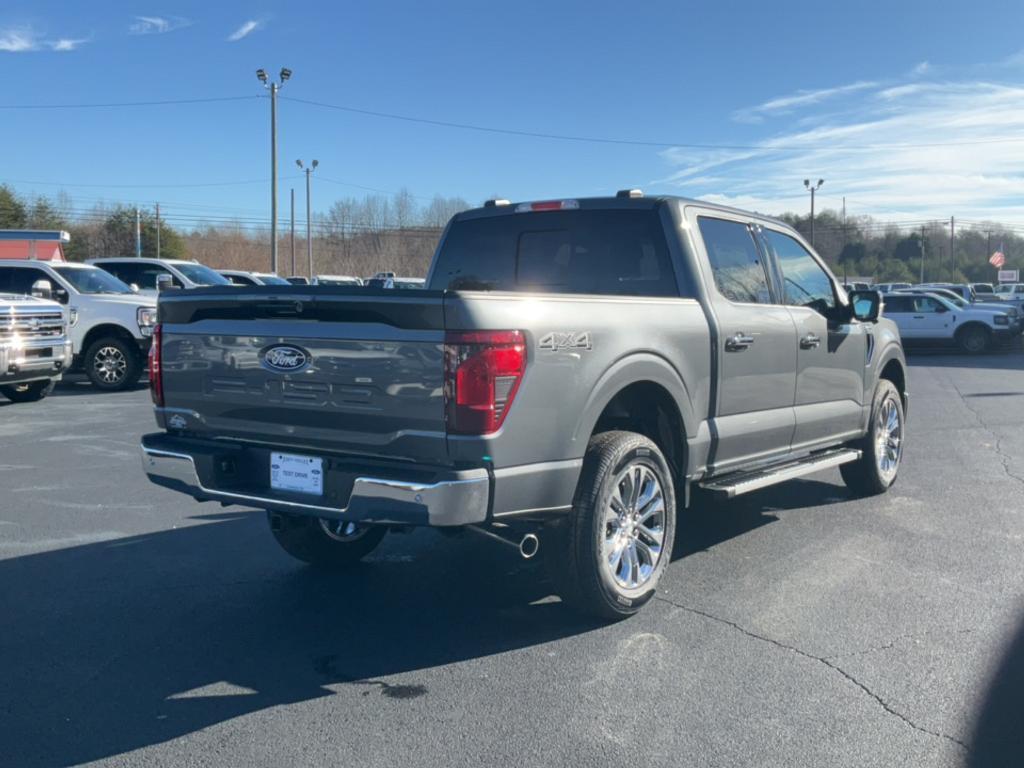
[(27, 393), (865, 476), (309, 540), (974, 339), (112, 364), (584, 580)]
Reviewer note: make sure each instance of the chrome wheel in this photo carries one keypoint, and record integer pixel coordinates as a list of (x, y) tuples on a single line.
[(888, 439), (110, 365), (342, 530), (634, 527)]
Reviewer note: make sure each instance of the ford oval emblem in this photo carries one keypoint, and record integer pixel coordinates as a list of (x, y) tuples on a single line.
[(284, 358)]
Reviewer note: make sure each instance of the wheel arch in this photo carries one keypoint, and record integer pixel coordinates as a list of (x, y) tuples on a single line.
[(642, 393), (104, 330), (971, 325)]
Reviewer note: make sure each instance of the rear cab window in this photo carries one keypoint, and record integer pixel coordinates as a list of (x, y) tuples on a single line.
[(736, 263), (617, 252)]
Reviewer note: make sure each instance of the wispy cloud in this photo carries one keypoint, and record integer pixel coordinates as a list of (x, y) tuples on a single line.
[(66, 43), (157, 25), (785, 104), (921, 68), (245, 30), (17, 40), (25, 40), (912, 151)]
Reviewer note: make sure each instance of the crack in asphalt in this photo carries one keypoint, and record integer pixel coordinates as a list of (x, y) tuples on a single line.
[(821, 660), (890, 644), (1004, 457)]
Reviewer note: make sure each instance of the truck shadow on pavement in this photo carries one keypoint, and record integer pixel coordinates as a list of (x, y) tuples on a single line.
[(124, 643), (998, 738)]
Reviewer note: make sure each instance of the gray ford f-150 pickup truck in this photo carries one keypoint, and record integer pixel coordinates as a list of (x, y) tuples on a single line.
[(572, 369)]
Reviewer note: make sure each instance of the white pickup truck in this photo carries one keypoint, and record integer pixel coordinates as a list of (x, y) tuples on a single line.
[(111, 324), (144, 273), (34, 348)]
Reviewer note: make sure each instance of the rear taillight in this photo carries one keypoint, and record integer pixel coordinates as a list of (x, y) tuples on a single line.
[(156, 376), (483, 370)]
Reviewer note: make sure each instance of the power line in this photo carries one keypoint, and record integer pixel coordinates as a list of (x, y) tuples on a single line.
[(764, 147), (536, 134), (119, 104), (142, 186)]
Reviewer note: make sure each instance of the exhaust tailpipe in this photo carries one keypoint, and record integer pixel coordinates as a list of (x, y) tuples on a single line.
[(529, 545)]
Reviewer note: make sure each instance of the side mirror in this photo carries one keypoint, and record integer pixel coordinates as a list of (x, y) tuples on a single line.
[(163, 282), (41, 289), (866, 306), (134, 287), (59, 294)]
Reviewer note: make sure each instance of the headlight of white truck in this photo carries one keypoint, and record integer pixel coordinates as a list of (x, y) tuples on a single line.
[(1002, 319), (146, 317)]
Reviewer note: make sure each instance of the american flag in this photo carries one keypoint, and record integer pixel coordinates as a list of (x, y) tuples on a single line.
[(997, 259)]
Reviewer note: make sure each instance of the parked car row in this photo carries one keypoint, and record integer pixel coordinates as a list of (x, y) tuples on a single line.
[(379, 280), (110, 323)]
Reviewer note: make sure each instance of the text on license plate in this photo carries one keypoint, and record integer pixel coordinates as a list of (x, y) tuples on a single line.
[(301, 474)]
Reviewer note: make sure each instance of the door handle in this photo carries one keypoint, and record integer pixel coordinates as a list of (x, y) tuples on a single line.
[(810, 341), (738, 342), (919, 317)]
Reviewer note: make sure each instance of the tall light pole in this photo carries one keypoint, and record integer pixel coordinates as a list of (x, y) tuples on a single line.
[(273, 88), (309, 218), (293, 231), (813, 188)]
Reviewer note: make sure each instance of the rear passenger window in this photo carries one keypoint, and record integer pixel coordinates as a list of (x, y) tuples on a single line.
[(898, 304), (604, 252), (735, 261)]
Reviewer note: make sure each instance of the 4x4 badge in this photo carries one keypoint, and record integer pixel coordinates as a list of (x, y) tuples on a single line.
[(557, 341)]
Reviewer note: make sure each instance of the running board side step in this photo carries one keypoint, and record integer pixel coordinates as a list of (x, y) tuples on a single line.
[(739, 483)]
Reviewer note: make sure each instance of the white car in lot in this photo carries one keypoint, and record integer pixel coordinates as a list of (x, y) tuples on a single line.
[(1011, 292), (111, 324), (143, 273), (929, 319), (337, 280), (241, 277)]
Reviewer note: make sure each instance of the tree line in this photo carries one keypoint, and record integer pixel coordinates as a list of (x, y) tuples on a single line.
[(399, 233)]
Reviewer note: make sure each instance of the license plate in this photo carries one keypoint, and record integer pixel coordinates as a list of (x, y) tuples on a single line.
[(299, 474)]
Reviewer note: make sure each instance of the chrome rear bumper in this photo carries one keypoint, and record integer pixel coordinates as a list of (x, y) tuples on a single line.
[(460, 500)]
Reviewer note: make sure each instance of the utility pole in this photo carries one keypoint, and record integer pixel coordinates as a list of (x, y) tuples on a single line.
[(952, 249), (273, 88), (158, 230), (807, 185), (844, 221), (309, 215), (922, 244), (293, 231), (138, 235)]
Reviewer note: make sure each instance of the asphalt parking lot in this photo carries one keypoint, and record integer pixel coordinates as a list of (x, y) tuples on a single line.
[(795, 627)]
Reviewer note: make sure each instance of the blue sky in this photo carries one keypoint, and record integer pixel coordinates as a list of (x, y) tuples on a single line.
[(910, 109)]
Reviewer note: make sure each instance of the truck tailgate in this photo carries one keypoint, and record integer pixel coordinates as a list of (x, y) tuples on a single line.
[(350, 371)]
